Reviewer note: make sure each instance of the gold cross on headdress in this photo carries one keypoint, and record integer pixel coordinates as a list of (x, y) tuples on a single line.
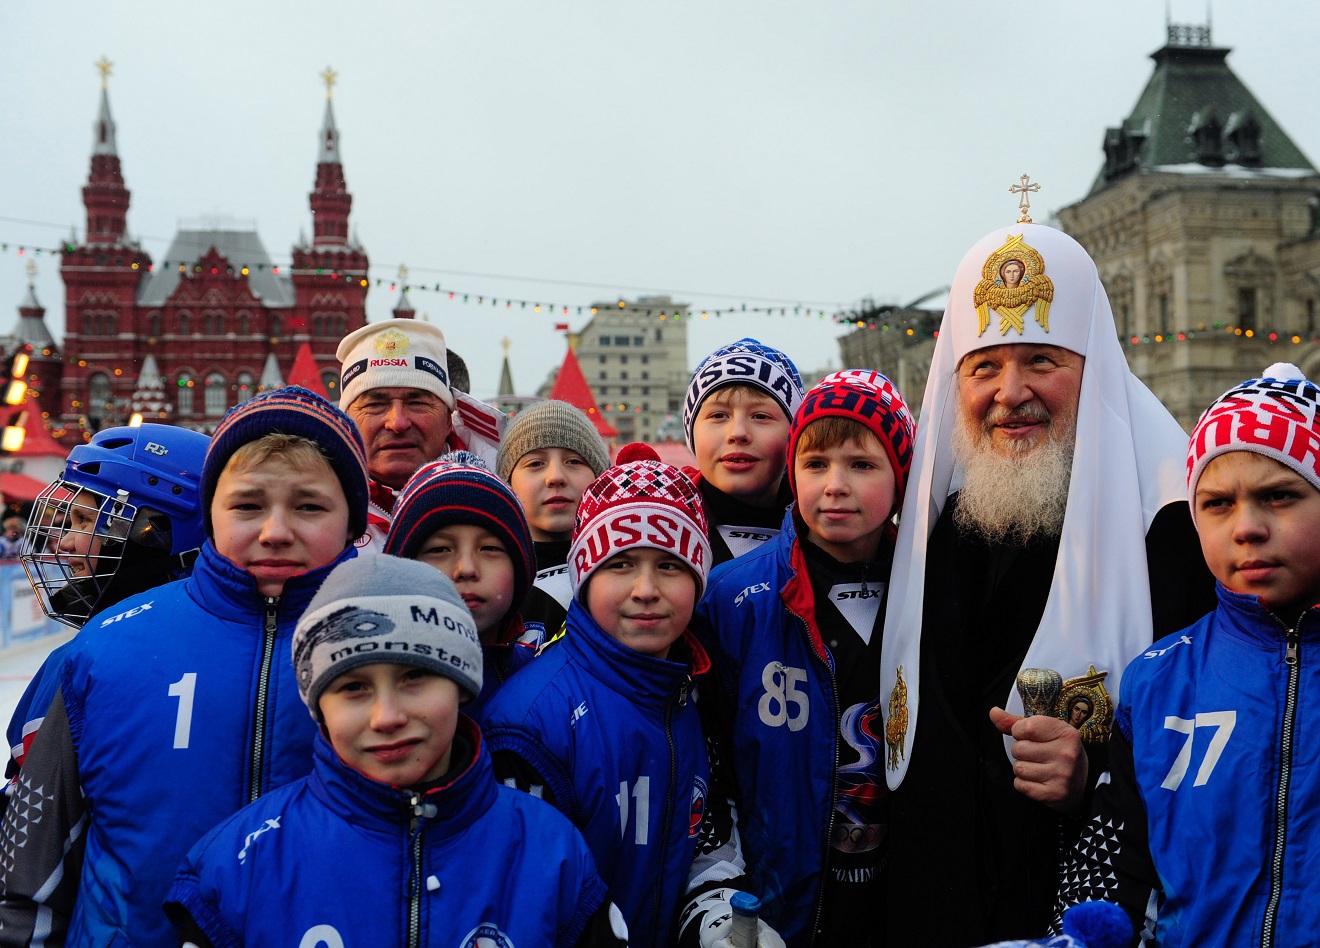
[(104, 67), (1025, 187), (329, 77)]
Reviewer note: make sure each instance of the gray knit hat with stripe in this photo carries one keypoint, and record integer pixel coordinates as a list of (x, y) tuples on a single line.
[(385, 609), (551, 424)]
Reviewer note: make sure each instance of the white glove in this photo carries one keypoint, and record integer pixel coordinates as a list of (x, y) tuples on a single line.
[(714, 914)]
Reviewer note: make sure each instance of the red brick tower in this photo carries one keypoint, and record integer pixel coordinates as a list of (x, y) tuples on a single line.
[(101, 278), (330, 272)]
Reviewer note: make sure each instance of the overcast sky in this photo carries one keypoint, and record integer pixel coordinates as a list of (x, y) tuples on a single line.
[(722, 151)]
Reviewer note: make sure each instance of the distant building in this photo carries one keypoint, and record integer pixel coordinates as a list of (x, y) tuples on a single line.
[(634, 356), (215, 313), (1203, 224)]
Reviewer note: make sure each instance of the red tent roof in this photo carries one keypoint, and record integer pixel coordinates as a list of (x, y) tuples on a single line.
[(19, 487), (571, 386), (37, 442), (305, 373)]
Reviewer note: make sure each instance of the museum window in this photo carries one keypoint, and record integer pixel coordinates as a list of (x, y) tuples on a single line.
[(1246, 307), (100, 400), (245, 388), (185, 326), (1164, 313), (153, 325), (185, 399), (215, 395), (604, 340), (242, 324)]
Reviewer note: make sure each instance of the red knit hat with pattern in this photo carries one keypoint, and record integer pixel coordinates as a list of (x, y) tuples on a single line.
[(641, 501), (866, 397), (1277, 415)]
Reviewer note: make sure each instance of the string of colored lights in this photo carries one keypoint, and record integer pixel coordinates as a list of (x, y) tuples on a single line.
[(467, 296)]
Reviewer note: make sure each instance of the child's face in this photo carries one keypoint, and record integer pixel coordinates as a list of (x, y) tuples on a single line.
[(394, 723), (643, 598), (481, 568), (276, 522), (740, 439), (79, 545), (1259, 524), (845, 495), (550, 482)]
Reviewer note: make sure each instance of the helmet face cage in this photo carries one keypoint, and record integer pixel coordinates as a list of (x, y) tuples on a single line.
[(73, 547)]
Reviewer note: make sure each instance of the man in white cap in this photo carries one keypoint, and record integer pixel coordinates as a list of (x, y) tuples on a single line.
[(394, 384), (1046, 480)]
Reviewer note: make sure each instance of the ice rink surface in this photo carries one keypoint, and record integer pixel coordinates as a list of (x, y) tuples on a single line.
[(19, 663)]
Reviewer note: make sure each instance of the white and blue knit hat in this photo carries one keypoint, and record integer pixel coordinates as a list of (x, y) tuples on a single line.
[(745, 362), (385, 609)]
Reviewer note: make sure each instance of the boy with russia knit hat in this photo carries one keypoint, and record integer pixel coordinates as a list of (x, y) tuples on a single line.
[(793, 630), (458, 517), (549, 455), (605, 725), (402, 783), (1211, 763), (181, 708), (739, 404)]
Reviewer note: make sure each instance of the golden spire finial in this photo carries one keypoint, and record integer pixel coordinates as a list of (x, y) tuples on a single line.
[(1024, 187), (104, 66), (31, 270), (329, 77), (505, 343), (403, 273)]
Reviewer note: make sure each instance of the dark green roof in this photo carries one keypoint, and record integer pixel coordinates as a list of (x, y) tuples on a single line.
[(1196, 111)]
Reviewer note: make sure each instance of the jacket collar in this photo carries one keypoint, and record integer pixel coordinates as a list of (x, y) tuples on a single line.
[(223, 587), (447, 810), (641, 678), (1249, 616)]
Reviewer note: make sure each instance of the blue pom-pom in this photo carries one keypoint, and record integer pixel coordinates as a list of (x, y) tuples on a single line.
[(1098, 925)]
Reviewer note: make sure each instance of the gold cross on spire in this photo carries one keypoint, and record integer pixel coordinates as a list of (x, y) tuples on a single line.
[(403, 273), (505, 343), (31, 270), (1025, 187), (104, 67), (329, 77)]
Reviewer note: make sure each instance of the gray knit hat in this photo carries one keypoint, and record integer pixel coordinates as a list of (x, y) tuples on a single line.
[(384, 609), (551, 424)]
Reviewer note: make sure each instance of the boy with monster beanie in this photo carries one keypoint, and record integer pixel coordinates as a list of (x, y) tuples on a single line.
[(794, 632), (605, 724), (549, 455), (1206, 813), (182, 707), (401, 794), (739, 404), (458, 517)]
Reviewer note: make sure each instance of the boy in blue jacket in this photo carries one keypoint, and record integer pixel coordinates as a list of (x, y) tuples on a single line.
[(181, 707), (1204, 826), (401, 794), (457, 516), (793, 630), (604, 724)]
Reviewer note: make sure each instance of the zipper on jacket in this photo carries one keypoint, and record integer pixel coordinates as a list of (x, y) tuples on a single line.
[(834, 786), (415, 889), (257, 757), (669, 788), (1291, 658)]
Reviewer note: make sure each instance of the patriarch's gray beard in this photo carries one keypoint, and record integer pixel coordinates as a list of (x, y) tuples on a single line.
[(1013, 498)]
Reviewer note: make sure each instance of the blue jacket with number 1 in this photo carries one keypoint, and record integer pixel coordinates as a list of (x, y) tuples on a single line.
[(758, 622), (172, 714)]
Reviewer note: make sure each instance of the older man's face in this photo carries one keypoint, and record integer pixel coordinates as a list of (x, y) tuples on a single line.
[(403, 428), (1014, 396)]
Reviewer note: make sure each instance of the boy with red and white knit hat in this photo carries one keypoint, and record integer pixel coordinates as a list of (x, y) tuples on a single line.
[(1211, 762), (794, 632), (604, 724)]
